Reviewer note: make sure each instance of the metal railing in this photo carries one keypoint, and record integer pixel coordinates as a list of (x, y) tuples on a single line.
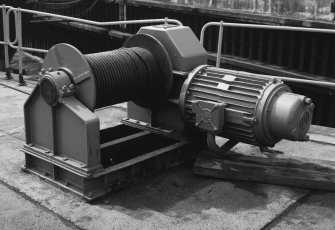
[(4, 42), (17, 43), (222, 24)]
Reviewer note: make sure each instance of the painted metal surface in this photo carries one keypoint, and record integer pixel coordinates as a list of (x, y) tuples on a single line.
[(258, 109)]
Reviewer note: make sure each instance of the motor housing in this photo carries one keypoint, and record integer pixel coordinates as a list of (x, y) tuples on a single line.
[(251, 108)]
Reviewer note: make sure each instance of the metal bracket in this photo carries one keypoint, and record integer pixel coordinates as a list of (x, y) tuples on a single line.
[(222, 149), (146, 126)]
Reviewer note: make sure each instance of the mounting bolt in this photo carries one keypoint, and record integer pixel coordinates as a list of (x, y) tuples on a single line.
[(71, 86), (43, 71), (276, 80), (307, 101), (50, 69), (64, 88)]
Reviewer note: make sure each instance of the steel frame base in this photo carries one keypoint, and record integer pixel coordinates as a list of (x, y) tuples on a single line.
[(128, 155)]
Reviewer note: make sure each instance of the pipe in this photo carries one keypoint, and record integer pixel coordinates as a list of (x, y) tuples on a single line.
[(15, 10), (5, 43), (19, 38), (144, 21), (219, 51), (7, 27)]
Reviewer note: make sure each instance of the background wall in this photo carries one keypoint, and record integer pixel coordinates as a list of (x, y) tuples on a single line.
[(311, 9)]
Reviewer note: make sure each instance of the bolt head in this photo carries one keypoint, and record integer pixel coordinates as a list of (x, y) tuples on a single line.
[(50, 69), (307, 101)]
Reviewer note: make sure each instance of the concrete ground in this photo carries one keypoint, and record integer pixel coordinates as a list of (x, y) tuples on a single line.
[(176, 199), (18, 211)]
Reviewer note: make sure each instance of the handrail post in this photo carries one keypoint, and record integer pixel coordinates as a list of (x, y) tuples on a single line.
[(219, 50), (8, 75), (11, 43), (19, 39)]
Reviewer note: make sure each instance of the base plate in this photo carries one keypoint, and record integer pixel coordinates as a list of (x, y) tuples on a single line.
[(128, 155)]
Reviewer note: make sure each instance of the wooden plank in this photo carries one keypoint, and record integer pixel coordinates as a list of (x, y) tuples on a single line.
[(302, 54), (241, 42), (292, 171), (314, 50), (325, 57), (234, 41), (260, 45), (292, 56), (280, 50), (251, 44), (270, 47)]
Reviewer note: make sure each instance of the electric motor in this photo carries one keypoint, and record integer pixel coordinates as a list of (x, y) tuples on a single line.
[(250, 108)]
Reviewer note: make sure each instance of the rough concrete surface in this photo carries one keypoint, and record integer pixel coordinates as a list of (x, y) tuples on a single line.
[(316, 212), (18, 213), (176, 199)]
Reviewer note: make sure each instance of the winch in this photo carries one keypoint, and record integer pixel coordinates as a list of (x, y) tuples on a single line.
[(177, 105)]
